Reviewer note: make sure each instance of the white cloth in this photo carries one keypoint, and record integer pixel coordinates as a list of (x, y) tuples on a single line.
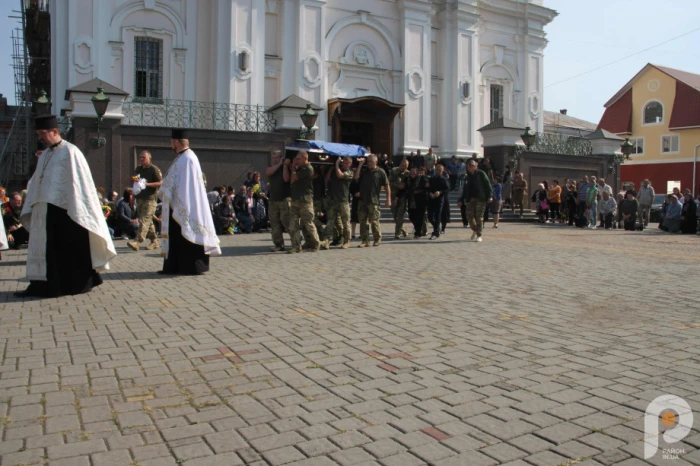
[(67, 183), (4, 244), (138, 186), (183, 192)]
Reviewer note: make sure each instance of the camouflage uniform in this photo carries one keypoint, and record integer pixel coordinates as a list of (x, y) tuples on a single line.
[(146, 203), (302, 211), (371, 183), (279, 212), (340, 210), (397, 181), (368, 214), (280, 205), (338, 206)]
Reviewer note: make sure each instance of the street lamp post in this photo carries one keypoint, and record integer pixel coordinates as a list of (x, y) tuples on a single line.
[(309, 118), (100, 101), (626, 148), (42, 105), (529, 137)]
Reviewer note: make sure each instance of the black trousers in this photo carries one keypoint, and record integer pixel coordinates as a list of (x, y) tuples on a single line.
[(68, 261), (554, 210), (20, 235), (607, 220), (435, 214), (184, 257), (417, 217)]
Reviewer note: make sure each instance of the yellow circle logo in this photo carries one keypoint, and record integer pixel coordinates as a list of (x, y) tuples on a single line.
[(668, 418)]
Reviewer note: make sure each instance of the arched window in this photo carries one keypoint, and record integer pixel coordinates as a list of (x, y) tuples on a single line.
[(653, 113)]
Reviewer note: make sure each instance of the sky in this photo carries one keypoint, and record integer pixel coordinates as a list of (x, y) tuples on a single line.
[(586, 34)]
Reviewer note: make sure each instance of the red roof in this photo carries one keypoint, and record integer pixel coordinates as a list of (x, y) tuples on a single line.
[(686, 107), (618, 116)]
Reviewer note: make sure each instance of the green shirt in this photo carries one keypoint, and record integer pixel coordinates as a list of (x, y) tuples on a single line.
[(339, 188), (371, 183), (303, 187), (396, 179), (430, 160), (279, 189), (151, 174)]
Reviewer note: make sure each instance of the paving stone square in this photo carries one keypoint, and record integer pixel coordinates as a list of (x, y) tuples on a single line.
[(543, 345)]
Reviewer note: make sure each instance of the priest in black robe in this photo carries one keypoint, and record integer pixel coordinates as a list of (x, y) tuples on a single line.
[(189, 236), (69, 240)]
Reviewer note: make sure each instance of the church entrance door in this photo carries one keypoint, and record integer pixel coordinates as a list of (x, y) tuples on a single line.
[(365, 121)]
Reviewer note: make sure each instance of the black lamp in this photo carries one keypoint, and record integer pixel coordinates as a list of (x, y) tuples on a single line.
[(100, 101), (42, 105), (627, 148), (529, 137), (309, 118)]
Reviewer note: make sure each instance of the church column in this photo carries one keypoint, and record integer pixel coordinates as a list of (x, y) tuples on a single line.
[(247, 52), (312, 72), (459, 75), (221, 38), (416, 35)]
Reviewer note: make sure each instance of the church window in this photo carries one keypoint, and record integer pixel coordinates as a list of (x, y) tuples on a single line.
[(148, 68), (653, 113), (496, 102)]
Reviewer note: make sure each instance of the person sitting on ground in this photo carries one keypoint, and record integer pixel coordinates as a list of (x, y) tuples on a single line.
[(629, 210), (127, 221), (607, 208), (224, 217), (17, 234), (689, 218), (244, 214), (215, 196), (672, 218)]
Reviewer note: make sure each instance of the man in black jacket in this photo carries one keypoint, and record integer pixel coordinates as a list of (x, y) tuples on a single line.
[(437, 188), (476, 194)]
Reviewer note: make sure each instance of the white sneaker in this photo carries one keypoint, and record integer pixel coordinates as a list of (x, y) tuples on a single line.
[(594, 227), (473, 236), (478, 239)]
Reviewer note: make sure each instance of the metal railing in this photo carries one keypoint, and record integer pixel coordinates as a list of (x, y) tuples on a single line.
[(550, 143), (171, 113)]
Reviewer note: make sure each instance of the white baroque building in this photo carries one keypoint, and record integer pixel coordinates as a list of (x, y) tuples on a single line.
[(398, 75)]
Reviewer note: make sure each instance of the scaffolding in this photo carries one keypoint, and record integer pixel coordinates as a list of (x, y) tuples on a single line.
[(20, 142)]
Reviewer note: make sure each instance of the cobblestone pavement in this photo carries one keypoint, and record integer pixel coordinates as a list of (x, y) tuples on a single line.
[(539, 346)]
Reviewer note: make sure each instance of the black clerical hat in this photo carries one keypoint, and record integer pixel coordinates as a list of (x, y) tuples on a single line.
[(179, 133), (46, 122)]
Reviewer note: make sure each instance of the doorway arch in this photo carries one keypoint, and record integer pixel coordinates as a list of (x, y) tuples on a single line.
[(365, 121)]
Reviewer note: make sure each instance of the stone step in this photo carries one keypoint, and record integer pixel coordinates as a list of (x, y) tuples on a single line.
[(455, 215)]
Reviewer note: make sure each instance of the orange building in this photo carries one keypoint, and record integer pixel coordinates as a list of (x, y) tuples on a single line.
[(659, 110)]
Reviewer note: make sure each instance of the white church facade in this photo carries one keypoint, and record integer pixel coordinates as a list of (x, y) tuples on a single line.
[(397, 75)]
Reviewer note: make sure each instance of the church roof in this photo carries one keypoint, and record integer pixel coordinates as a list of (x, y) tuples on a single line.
[(562, 120), (294, 101), (92, 85), (502, 123), (602, 134)]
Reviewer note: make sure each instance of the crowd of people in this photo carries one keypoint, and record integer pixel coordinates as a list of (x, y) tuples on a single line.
[(317, 206), (590, 203)]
